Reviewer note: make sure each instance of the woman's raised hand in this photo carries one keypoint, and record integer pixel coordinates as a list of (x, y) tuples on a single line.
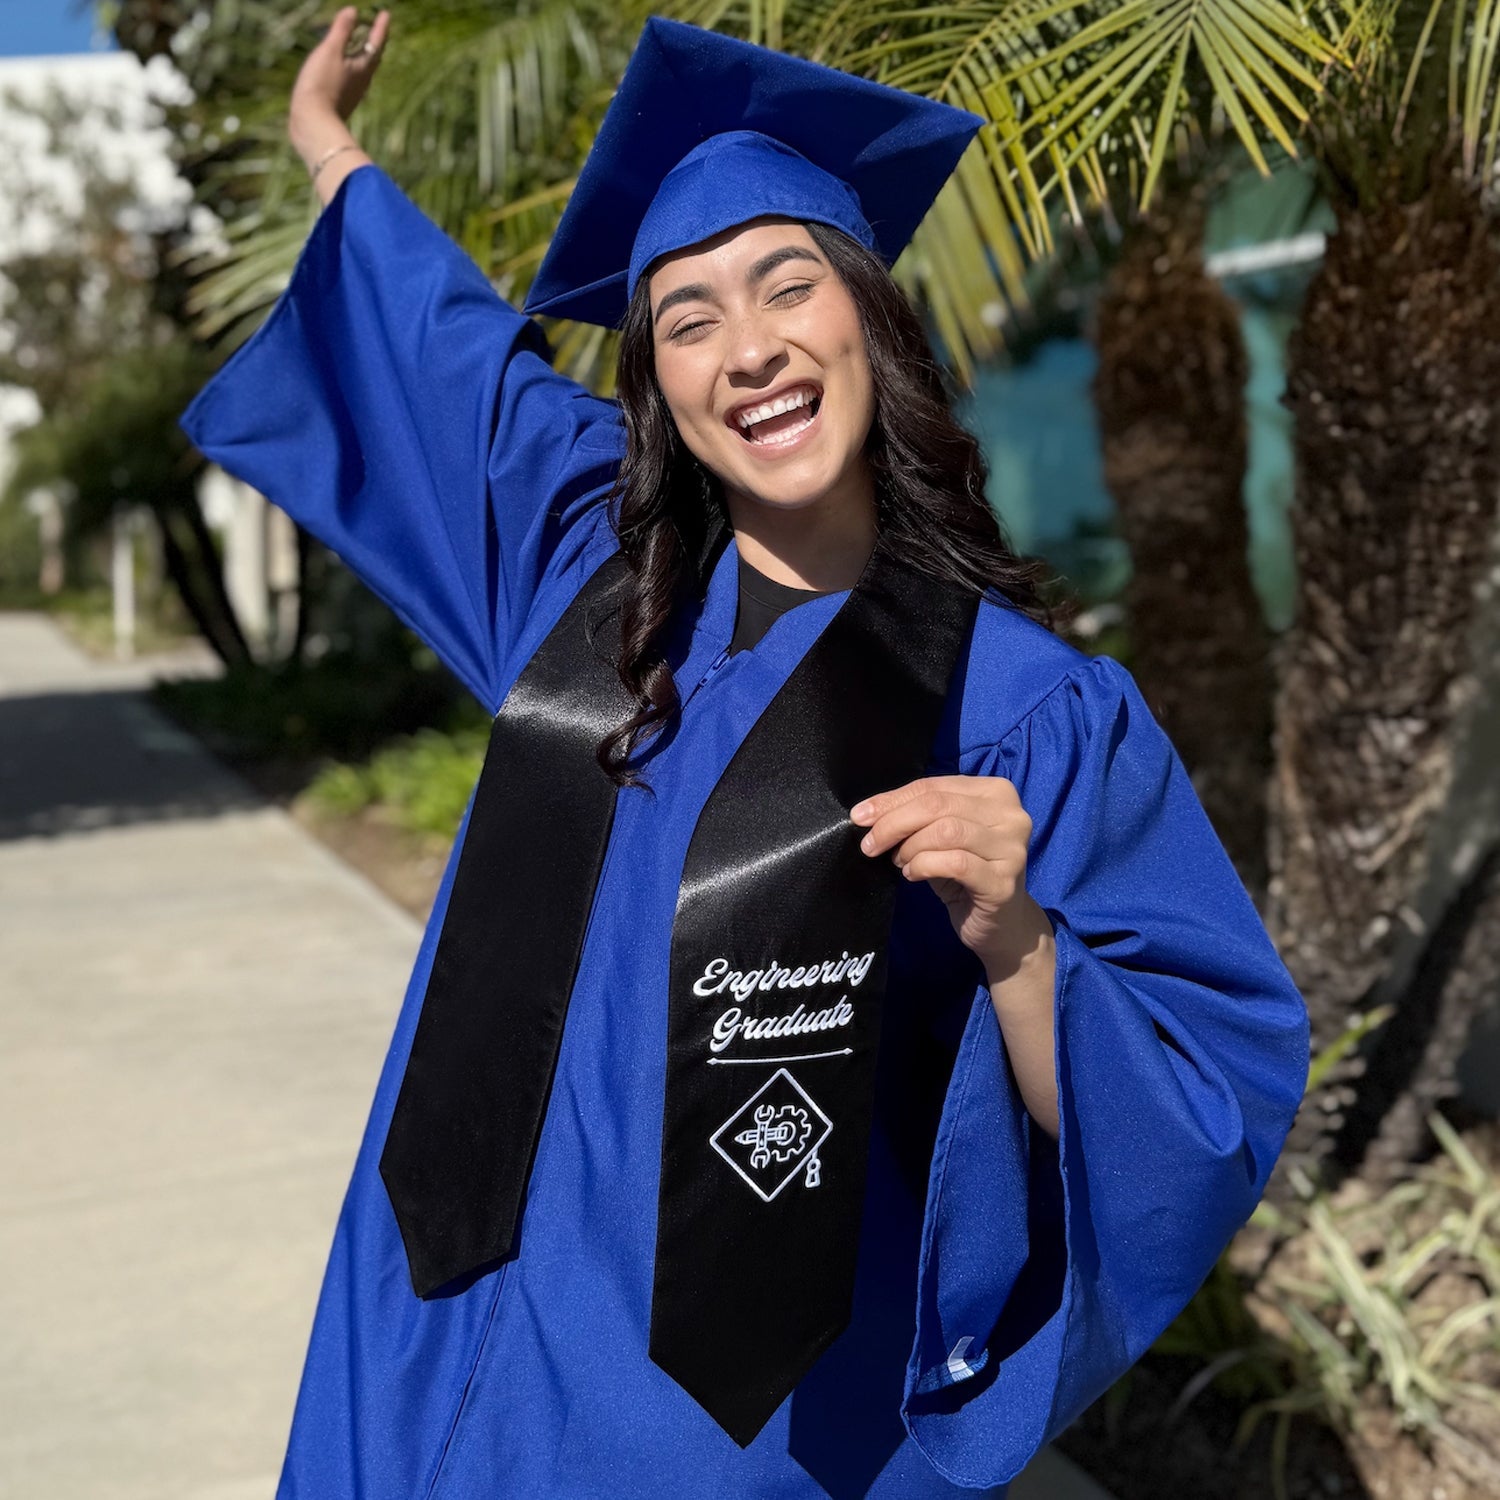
[(331, 81), (329, 87)]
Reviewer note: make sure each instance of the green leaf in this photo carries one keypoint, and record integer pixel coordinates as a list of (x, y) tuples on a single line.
[(1337, 1050)]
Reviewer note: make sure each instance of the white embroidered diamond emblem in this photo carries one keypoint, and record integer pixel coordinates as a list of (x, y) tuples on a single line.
[(773, 1135)]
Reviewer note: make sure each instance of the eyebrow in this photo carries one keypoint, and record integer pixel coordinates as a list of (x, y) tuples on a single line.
[(758, 272)]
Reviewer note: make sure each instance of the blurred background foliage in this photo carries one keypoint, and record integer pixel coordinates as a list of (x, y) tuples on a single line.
[(485, 112)]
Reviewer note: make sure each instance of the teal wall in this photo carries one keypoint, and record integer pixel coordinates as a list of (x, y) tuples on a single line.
[(1036, 422), (1268, 480), (1035, 419)]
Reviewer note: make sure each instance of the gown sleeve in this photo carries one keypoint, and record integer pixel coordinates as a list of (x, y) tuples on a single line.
[(408, 417), (1047, 1268)]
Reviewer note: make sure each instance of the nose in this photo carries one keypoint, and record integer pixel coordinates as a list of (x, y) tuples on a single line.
[(753, 345)]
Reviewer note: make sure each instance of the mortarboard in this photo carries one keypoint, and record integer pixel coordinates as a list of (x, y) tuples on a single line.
[(706, 132)]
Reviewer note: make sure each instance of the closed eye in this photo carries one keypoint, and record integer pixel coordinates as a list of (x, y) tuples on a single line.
[(786, 291)]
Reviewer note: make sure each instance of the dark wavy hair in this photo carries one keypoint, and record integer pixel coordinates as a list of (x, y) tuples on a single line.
[(669, 512)]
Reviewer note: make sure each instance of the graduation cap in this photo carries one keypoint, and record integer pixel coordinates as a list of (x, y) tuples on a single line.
[(707, 132)]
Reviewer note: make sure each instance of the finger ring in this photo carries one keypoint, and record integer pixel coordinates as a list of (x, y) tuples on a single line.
[(369, 47)]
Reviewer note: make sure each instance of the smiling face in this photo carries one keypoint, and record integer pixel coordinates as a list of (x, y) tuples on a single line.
[(761, 359)]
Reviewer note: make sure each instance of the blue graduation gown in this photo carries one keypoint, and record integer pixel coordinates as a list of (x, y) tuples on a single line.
[(410, 419)]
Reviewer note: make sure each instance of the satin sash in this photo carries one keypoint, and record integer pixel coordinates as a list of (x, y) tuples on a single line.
[(464, 1130), (778, 971), (769, 1080)]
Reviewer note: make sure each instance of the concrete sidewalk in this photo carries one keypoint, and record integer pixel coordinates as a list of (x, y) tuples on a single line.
[(194, 1000)]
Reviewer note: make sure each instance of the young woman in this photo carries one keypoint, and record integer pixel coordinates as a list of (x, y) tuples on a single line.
[(841, 1043)]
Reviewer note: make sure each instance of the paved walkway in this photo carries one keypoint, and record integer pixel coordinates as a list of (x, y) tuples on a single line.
[(194, 1000)]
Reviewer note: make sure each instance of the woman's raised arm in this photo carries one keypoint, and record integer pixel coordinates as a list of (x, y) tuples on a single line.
[(330, 84), (406, 415)]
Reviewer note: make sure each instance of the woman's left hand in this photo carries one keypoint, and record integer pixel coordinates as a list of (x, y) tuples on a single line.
[(967, 836)]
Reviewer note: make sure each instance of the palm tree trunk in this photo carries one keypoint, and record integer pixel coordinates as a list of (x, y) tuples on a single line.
[(1413, 1064), (192, 563), (1170, 394), (1394, 384)]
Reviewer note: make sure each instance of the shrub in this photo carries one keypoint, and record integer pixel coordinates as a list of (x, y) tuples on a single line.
[(1361, 1304), (1349, 1304), (343, 706), (422, 781)]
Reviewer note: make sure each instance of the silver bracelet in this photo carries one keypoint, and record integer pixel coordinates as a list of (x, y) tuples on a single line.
[(327, 157)]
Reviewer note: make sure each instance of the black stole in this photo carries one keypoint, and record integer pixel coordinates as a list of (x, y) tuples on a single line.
[(777, 972)]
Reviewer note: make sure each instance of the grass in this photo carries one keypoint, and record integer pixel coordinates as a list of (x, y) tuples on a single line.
[(421, 781)]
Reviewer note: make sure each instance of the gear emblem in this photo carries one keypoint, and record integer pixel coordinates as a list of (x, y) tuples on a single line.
[(780, 1133), (773, 1135)]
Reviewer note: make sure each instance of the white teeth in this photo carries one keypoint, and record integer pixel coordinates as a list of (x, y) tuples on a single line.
[(784, 437), (781, 405)]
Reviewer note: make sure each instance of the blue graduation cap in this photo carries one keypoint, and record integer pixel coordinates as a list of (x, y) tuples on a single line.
[(707, 132)]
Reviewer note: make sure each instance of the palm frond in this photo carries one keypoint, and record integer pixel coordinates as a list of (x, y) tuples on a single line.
[(1101, 94), (469, 107), (484, 90), (1169, 68), (248, 276), (485, 117), (1420, 99)]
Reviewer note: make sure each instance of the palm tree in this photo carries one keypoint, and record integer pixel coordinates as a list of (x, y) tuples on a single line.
[(1170, 397), (1384, 780), (1384, 802)]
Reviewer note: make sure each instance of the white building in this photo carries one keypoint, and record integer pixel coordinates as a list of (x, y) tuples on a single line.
[(40, 192), (121, 131)]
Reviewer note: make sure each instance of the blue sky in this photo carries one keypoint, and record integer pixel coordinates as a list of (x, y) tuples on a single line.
[(44, 28)]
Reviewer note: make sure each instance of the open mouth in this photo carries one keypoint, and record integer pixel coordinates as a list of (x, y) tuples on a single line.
[(781, 420)]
